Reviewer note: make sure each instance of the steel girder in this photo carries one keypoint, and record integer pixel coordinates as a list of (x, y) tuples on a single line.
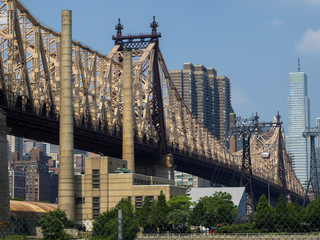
[(30, 81)]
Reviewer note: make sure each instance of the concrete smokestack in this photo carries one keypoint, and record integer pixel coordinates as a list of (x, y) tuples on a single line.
[(66, 196), (233, 140), (128, 121)]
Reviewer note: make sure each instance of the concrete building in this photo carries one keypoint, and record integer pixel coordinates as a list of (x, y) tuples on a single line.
[(15, 145), (298, 120), (194, 84), (238, 196), (28, 144), (222, 107), (40, 185), (79, 161), (17, 183), (106, 181), (208, 96), (52, 148), (187, 180)]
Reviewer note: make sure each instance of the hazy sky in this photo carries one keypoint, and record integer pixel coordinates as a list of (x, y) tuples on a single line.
[(255, 43)]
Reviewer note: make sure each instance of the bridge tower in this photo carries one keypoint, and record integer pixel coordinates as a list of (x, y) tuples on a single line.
[(245, 129), (138, 42), (313, 180), (4, 178)]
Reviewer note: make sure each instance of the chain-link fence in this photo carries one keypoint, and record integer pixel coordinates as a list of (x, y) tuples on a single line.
[(212, 217)]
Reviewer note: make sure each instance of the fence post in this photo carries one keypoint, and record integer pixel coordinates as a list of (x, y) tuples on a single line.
[(120, 224)]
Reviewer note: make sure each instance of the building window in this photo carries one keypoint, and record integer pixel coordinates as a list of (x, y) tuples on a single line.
[(80, 200), (138, 204), (95, 207), (139, 198), (151, 199), (95, 178)]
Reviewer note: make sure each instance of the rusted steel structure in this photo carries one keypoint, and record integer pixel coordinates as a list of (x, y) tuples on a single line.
[(30, 66), (313, 180)]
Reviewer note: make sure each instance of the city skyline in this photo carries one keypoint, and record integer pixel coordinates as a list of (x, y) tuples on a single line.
[(253, 43)]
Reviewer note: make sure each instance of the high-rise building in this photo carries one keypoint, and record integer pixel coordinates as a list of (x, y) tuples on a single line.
[(40, 184), (17, 182), (28, 145), (222, 107), (298, 121), (15, 145), (207, 95), (194, 84)]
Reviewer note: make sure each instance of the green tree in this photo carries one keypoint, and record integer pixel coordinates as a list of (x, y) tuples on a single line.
[(281, 214), (215, 209), (178, 219), (312, 215), (179, 202), (179, 212), (264, 215), (144, 216), (295, 213), (106, 225), (53, 224), (159, 213), (197, 214)]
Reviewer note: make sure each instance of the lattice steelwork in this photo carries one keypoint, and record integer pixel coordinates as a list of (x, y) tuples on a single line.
[(30, 80)]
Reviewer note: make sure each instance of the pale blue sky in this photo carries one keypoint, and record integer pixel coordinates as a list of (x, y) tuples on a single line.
[(255, 43)]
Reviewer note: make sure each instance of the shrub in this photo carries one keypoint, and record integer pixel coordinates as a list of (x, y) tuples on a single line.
[(53, 224), (106, 225)]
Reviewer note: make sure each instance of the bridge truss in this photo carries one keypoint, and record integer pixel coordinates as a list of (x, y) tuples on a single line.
[(30, 82)]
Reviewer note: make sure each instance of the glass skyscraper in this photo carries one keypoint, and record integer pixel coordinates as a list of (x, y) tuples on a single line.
[(299, 119)]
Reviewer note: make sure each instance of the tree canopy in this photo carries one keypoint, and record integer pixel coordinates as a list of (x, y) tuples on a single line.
[(218, 208)]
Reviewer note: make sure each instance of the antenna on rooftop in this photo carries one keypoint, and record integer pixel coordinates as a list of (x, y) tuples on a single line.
[(298, 64)]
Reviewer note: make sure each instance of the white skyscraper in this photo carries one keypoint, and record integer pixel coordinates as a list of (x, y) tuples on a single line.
[(299, 119)]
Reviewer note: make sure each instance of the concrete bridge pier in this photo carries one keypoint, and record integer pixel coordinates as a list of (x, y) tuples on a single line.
[(233, 140), (166, 169), (128, 111), (5, 226), (66, 194)]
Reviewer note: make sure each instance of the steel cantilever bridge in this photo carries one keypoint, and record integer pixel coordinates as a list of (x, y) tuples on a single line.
[(30, 96)]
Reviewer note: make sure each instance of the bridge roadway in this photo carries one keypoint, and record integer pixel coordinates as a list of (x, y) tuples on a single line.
[(30, 78), (29, 125)]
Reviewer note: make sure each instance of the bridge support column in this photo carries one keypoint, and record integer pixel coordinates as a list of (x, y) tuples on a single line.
[(4, 178), (166, 171), (233, 140), (128, 120), (66, 195)]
